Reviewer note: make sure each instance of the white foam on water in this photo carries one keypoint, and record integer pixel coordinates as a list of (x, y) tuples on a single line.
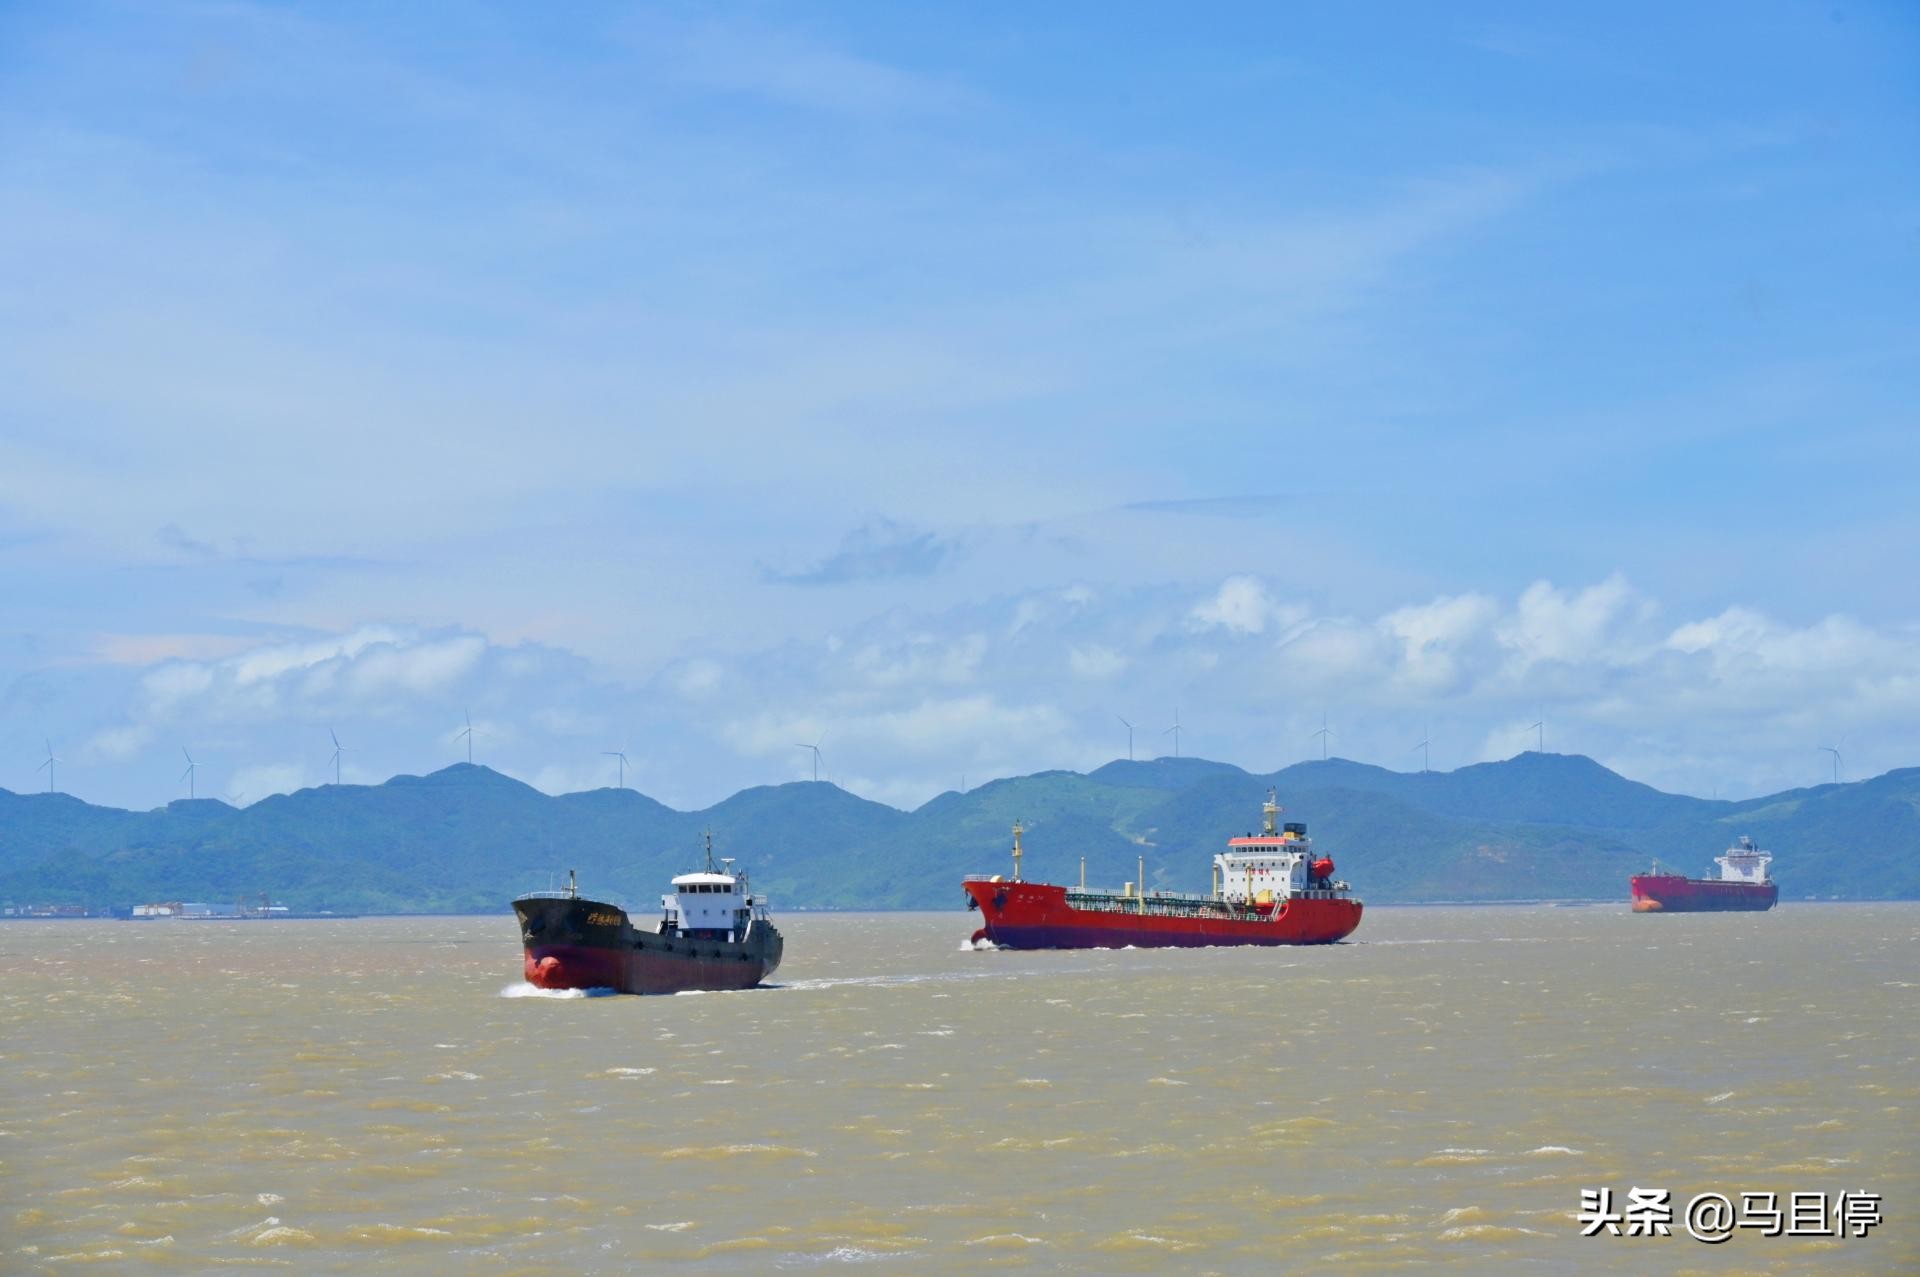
[(525, 990), (885, 980), (1474, 940), (840, 1255), (268, 1199), (1552, 1150), (627, 1072), (1716, 1099), (678, 1226)]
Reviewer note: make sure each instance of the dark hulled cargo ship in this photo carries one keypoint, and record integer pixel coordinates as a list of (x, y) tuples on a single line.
[(713, 934), (1743, 885), (1268, 889)]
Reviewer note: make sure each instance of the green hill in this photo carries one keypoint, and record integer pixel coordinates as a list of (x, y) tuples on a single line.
[(1539, 826)]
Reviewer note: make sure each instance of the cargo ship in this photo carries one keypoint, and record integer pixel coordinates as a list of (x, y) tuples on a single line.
[(713, 934), (1268, 888), (1743, 884)]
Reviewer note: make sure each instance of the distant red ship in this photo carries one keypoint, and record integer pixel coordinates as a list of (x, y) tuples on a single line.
[(1742, 885), (1268, 888)]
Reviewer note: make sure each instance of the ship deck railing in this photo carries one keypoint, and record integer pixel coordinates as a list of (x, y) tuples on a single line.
[(1171, 906)]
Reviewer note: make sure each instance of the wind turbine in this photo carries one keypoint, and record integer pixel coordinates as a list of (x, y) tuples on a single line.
[(1322, 736), (338, 749), (1540, 740), (1175, 730), (1828, 749), (815, 747), (468, 735), (1130, 737), (187, 775), (1426, 740), (622, 756), (48, 766)]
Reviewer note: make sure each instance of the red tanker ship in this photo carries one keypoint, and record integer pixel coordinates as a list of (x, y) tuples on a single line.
[(1268, 888), (1742, 885)]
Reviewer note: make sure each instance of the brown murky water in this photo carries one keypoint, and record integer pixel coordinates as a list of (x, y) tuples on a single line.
[(332, 1097)]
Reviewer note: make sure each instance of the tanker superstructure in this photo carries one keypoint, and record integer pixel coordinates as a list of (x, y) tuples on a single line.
[(1743, 885), (1268, 889), (714, 933)]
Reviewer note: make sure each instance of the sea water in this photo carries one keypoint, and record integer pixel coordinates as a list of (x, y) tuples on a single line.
[(385, 1094)]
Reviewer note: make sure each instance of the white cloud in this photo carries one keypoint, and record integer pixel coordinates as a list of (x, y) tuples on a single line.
[(1435, 638), (1095, 660), (371, 666), (918, 659), (114, 744), (908, 701), (701, 677), (1241, 605), (952, 727), (261, 779), (1573, 627)]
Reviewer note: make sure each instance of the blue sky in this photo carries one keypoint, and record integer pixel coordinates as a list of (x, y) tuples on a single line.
[(951, 383)]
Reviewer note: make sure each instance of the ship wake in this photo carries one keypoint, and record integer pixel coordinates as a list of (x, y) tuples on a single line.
[(525, 990)]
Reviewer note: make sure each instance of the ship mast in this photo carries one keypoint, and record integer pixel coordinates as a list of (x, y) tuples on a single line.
[(1270, 810), (1016, 850)]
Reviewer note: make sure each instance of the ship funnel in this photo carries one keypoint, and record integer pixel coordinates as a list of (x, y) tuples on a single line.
[(1270, 811)]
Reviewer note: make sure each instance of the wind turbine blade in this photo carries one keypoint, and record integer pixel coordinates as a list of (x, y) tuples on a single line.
[(336, 739)]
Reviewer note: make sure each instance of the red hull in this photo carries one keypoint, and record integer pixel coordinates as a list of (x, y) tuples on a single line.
[(1671, 893), (1034, 915), (635, 971)]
